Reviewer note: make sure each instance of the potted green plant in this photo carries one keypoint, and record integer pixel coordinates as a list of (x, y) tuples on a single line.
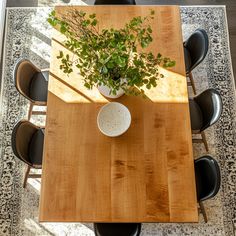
[(110, 58)]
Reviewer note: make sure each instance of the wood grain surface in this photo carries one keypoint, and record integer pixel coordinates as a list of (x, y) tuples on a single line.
[(145, 175)]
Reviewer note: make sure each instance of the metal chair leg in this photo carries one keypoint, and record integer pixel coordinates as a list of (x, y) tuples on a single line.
[(30, 110), (26, 176), (203, 211), (204, 140), (192, 82)]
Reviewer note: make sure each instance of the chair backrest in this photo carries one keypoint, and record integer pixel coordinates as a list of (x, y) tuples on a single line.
[(23, 73), (197, 45), (208, 178), (210, 103), (117, 229), (115, 2), (21, 138)]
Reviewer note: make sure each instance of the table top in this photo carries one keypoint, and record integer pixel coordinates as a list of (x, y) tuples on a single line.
[(144, 175)]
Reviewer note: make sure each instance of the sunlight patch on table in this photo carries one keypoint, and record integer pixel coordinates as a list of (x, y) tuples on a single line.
[(170, 89)]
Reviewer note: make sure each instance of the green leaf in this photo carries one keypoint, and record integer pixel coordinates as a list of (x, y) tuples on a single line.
[(104, 70), (60, 55), (84, 23), (81, 13), (94, 22), (144, 44), (53, 12), (110, 64), (149, 29), (78, 66), (87, 85), (50, 21), (171, 64), (63, 29), (92, 16), (132, 37), (85, 64)]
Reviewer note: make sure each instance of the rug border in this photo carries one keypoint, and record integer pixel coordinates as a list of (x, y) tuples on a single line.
[(231, 65), (3, 61)]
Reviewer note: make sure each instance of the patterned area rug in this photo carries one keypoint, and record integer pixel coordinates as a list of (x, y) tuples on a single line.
[(28, 35)]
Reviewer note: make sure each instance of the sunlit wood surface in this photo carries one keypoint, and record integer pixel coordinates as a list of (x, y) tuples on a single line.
[(145, 175)]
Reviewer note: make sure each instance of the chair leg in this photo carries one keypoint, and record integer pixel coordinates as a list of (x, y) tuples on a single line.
[(204, 140), (203, 211), (30, 110), (35, 176), (38, 113), (192, 82), (197, 140), (26, 176)]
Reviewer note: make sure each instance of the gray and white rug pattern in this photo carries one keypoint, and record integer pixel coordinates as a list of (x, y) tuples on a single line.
[(28, 36)]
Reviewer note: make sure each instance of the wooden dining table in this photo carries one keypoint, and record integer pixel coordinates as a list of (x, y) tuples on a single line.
[(146, 174)]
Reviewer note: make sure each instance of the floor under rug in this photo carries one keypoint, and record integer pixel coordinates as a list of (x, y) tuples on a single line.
[(28, 36)]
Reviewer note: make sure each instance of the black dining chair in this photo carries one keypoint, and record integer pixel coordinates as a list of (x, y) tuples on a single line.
[(117, 229), (115, 2), (32, 83), (205, 110), (27, 144), (195, 50), (208, 178)]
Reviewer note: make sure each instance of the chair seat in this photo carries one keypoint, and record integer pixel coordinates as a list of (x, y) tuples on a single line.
[(39, 86), (187, 60), (195, 48), (207, 172), (117, 229), (195, 115), (201, 176), (36, 147)]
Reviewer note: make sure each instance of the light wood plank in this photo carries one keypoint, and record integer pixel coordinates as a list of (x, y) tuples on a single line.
[(145, 175)]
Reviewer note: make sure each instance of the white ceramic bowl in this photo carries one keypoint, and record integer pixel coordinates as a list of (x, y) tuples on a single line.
[(113, 119)]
